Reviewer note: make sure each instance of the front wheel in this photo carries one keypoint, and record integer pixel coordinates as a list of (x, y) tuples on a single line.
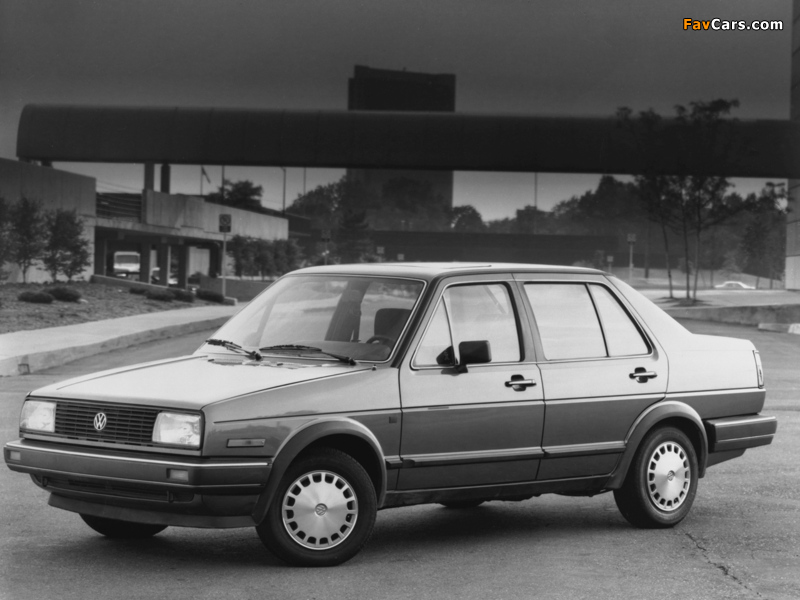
[(121, 529), (662, 481), (323, 511)]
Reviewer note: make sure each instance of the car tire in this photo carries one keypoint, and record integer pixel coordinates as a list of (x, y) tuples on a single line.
[(121, 529), (462, 504), (659, 489), (323, 511)]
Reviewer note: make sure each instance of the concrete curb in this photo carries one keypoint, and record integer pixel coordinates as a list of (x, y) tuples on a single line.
[(780, 327), (741, 315), (25, 352)]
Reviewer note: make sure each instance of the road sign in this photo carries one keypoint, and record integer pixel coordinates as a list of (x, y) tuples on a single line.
[(631, 238), (325, 235), (224, 223)]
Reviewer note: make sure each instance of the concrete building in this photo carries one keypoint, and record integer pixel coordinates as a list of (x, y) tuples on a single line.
[(402, 91), (174, 236)]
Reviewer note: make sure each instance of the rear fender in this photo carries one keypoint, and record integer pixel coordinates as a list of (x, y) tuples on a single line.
[(680, 414), (302, 439)]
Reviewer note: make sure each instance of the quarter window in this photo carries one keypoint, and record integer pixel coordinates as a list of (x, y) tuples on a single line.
[(622, 336)]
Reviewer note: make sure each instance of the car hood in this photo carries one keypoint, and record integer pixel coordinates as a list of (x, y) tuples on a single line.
[(192, 382)]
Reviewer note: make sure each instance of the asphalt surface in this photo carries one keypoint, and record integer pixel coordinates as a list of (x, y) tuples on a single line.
[(741, 540)]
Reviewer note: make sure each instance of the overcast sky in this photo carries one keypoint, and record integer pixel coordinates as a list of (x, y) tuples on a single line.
[(539, 57)]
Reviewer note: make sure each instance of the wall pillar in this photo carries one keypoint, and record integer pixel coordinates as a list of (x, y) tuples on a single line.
[(145, 264), (183, 266), (149, 176), (165, 178), (164, 261), (100, 255), (214, 260)]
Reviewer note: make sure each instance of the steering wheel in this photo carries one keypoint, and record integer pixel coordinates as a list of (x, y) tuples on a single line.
[(380, 339)]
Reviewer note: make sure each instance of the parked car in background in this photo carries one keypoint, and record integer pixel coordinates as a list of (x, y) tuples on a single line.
[(347, 389), (734, 285), (126, 264)]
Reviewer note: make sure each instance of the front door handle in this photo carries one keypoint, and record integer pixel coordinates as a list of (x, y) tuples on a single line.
[(518, 383), (641, 375)]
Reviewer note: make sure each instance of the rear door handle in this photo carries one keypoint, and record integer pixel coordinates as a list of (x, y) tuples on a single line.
[(641, 375), (519, 384)]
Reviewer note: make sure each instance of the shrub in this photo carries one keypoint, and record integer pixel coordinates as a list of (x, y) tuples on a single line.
[(210, 296), (64, 294), (182, 295), (138, 290), (161, 295), (35, 297)]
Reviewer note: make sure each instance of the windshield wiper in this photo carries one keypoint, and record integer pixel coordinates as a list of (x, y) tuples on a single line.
[(252, 354), (341, 357)]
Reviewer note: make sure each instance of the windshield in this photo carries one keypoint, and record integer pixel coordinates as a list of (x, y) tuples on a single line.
[(357, 317)]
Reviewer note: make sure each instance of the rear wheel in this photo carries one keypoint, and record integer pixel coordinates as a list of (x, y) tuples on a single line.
[(662, 481), (121, 529), (323, 512)]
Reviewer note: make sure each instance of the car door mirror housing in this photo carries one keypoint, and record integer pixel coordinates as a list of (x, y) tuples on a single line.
[(474, 352)]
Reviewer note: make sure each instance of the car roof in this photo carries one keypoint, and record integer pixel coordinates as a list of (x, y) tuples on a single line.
[(432, 270)]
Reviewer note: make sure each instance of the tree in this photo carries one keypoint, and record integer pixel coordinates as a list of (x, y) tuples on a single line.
[(687, 204), (240, 194), (27, 235), (264, 258), (467, 219), (764, 241), (353, 239), (5, 246), (241, 248), (66, 250), (701, 197)]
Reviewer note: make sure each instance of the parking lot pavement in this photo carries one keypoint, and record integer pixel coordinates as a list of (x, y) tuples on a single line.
[(741, 540)]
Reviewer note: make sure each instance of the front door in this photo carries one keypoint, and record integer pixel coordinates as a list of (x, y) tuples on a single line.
[(479, 425)]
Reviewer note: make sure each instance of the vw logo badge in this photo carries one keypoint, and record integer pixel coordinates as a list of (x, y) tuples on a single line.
[(100, 421)]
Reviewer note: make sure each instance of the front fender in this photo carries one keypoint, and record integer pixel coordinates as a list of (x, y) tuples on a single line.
[(302, 439), (659, 413)]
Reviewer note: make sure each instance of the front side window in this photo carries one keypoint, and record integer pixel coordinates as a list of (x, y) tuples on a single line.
[(360, 317), (471, 313)]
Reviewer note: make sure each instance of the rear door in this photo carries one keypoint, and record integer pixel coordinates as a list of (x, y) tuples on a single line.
[(478, 427), (599, 369)]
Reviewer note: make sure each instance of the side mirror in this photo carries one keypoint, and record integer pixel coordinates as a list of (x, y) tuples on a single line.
[(474, 352)]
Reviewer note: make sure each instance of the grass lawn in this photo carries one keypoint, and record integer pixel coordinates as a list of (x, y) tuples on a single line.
[(98, 302)]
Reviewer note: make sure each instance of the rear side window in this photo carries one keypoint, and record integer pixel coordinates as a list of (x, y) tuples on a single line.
[(576, 320), (566, 320)]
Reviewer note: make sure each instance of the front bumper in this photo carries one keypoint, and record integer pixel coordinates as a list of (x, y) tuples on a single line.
[(151, 488)]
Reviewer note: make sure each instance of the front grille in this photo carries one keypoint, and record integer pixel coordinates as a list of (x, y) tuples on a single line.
[(124, 424)]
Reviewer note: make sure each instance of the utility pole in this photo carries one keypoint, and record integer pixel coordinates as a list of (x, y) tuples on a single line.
[(631, 243)]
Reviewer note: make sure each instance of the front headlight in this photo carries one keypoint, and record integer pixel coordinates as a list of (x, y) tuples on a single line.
[(38, 415), (178, 429)]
